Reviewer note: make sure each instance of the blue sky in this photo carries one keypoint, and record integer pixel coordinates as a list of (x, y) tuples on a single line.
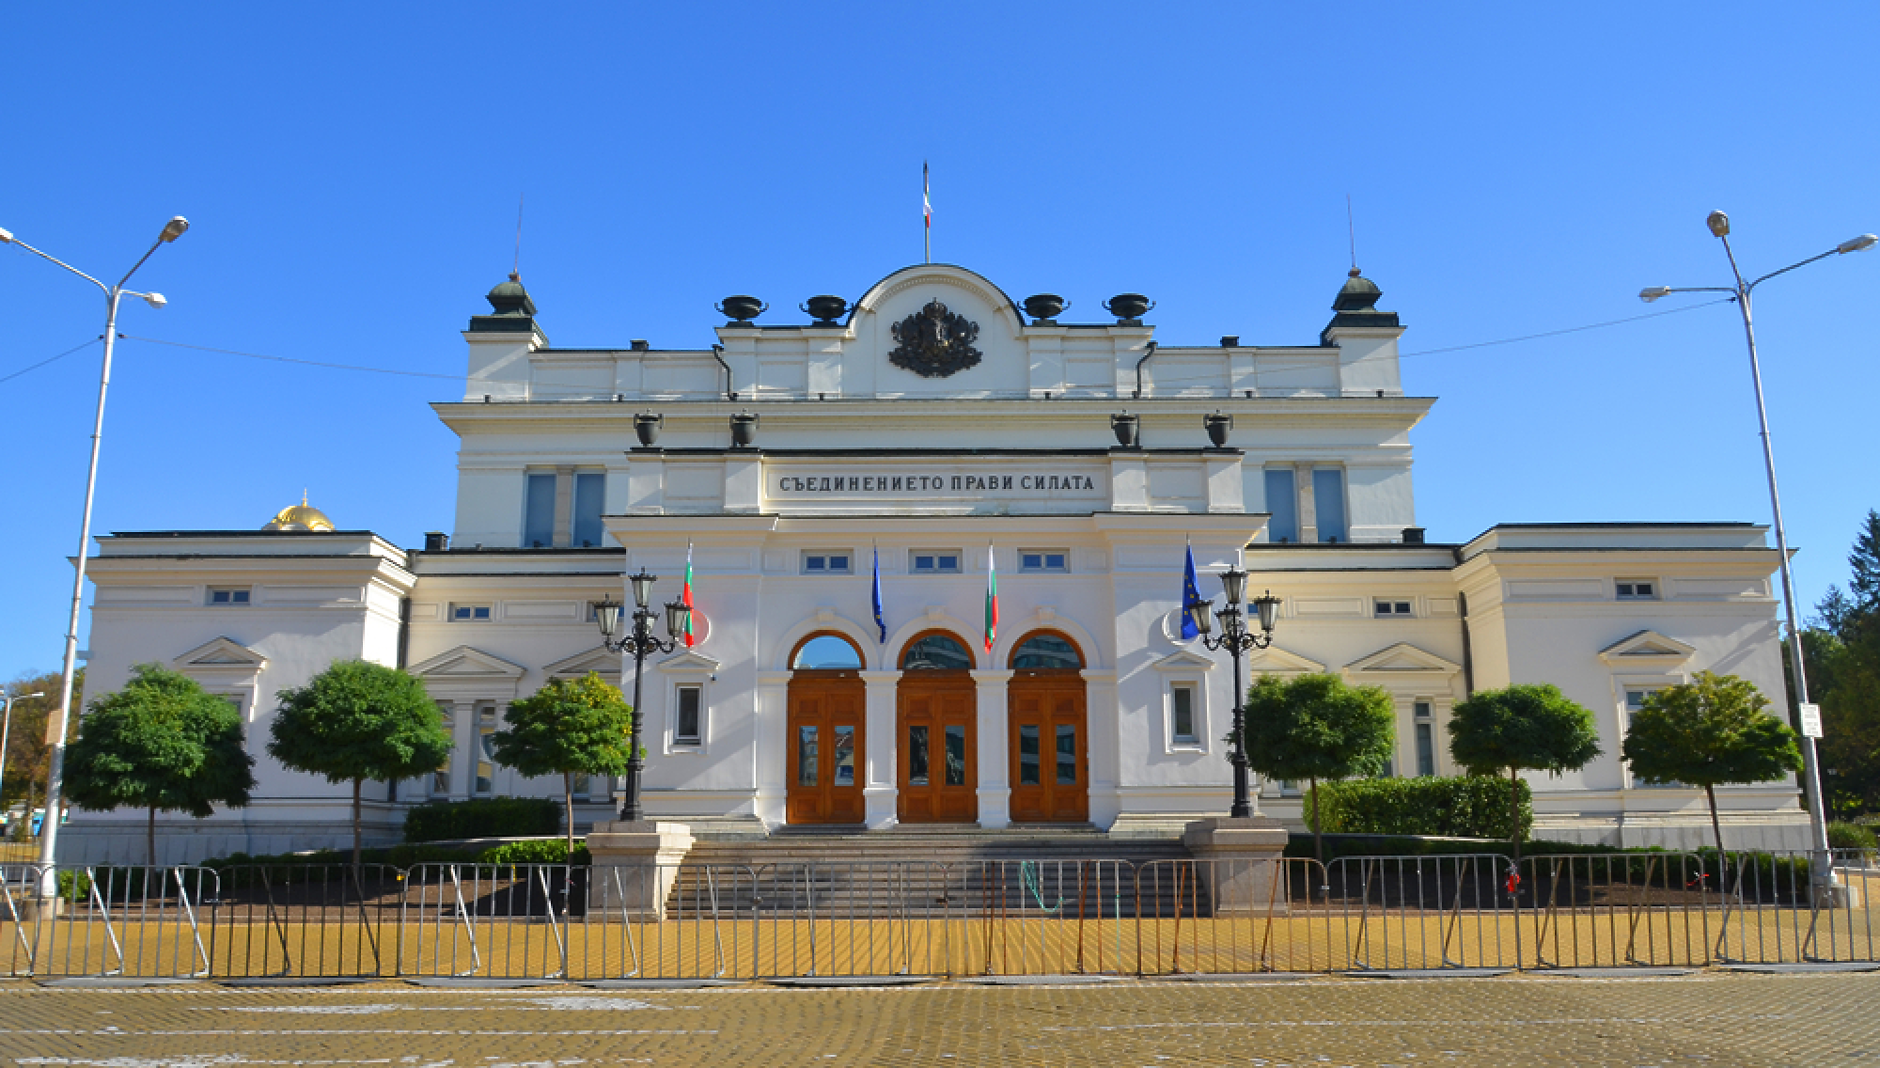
[(352, 172)]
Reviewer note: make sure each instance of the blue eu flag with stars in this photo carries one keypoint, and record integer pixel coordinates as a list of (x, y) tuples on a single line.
[(1191, 597), (879, 622)]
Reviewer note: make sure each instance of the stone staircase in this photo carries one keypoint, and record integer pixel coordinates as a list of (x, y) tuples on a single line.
[(942, 872)]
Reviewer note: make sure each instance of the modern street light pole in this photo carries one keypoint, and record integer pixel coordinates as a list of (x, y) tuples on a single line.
[(7, 697), (1821, 860), (639, 642), (49, 836), (1237, 639)]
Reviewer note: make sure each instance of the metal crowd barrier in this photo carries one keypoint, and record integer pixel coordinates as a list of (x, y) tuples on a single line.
[(984, 917)]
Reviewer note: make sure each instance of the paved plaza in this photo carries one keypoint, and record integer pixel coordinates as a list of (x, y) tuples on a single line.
[(1709, 1018)]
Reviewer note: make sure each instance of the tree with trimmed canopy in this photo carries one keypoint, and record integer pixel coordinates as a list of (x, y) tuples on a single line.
[(568, 727), (1316, 727), (1714, 729), (1524, 727), (356, 721), (161, 743)]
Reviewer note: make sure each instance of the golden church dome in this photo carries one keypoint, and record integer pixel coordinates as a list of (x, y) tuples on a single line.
[(302, 516)]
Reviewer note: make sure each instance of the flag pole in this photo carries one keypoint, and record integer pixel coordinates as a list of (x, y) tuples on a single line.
[(926, 211)]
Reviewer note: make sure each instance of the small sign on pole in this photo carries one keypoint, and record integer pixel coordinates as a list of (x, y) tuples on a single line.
[(1811, 720)]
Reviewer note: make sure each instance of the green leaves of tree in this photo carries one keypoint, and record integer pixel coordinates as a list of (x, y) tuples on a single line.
[(160, 742), (570, 726), (1714, 729), (1317, 727), (358, 720), (1528, 726)]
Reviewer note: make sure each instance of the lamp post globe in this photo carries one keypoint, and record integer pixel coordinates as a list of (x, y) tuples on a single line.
[(639, 641), (1238, 640)]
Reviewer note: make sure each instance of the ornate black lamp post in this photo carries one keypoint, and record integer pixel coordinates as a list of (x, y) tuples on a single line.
[(1236, 639), (639, 641)]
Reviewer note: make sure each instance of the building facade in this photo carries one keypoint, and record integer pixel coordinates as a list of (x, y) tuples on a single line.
[(933, 432)]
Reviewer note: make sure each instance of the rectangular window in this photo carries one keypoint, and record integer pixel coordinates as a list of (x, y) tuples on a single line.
[(1635, 701), (823, 562), (228, 596), (1426, 748), (538, 512), (1637, 589), (845, 756), (956, 755), (688, 725), (469, 613), (590, 491), (1328, 498), (934, 561), (1181, 710), (917, 756), (1028, 774), (1066, 754), (486, 753), (1381, 608), (806, 756), (1043, 560), (1281, 502), (580, 784)]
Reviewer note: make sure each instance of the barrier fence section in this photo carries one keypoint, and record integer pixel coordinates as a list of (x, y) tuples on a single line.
[(985, 917)]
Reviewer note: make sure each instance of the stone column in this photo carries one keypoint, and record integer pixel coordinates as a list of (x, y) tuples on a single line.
[(770, 745), (635, 865), (879, 788), (995, 790), (1308, 504)]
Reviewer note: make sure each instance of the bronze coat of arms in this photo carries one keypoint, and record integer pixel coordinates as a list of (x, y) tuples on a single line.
[(934, 342)]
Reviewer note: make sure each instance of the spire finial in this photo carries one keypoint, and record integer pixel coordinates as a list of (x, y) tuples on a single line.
[(1351, 228), (303, 497)]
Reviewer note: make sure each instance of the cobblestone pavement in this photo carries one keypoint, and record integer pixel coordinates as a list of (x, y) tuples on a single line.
[(1707, 1019)]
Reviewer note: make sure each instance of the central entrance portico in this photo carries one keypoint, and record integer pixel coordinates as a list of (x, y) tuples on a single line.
[(936, 707)]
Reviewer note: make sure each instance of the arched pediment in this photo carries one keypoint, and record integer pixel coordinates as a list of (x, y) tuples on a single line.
[(936, 280)]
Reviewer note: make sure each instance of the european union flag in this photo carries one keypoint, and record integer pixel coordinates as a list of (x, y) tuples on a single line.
[(1191, 598), (879, 622)]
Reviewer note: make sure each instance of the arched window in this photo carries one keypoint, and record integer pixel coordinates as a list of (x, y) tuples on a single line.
[(827, 652), (1046, 650), (936, 651)]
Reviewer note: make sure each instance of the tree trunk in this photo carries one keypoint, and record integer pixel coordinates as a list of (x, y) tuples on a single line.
[(150, 835), (1716, 828), (1514, 812), (567, 807), (357, 783), (1318, 839)]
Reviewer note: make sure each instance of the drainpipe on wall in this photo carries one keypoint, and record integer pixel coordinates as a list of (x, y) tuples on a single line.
[(404, 631), (1468, 659), (718, 353), (1139, 363)]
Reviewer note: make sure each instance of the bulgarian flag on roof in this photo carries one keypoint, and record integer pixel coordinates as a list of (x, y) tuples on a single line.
[(992, 600), (691, 631)]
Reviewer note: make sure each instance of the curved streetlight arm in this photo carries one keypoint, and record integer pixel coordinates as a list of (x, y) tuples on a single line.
[(1771, 274), (11, 240)]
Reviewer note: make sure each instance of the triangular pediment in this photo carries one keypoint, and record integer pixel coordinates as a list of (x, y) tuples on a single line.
[(466, 662), (1647, 647), (689, 661), (1403, 657), (220, 653), (1276, 661), (599, 660), (1184, 660)]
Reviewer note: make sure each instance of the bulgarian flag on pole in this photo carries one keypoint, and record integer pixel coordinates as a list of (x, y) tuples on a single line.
[(691, 631), (992, 600)]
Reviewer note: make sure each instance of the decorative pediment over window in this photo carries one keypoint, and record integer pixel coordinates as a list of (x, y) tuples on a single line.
[(1403, 658), (1184, 660), (466, 674), (1647, 648), (1276, 661), (221, 654), (598, 660), (689, 662)]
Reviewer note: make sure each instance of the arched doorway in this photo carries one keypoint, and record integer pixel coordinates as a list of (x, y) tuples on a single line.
[(937, 773), (827, 717), (1050, 736)]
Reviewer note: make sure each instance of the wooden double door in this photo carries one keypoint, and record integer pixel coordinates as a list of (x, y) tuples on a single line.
[(937, 780), (1050, 747), (827, 747)]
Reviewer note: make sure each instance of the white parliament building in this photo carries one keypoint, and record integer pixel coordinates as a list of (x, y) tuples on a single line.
[(930, 423)]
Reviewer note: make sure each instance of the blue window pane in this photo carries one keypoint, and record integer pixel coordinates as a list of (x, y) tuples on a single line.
[(589, 497), (1328, 494), (1284, 526), (538, 520)]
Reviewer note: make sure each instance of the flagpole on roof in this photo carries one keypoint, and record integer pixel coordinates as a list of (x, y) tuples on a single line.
[(926, 211)]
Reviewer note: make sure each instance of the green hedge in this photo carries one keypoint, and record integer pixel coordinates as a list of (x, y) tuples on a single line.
[(535, 851), (1843, 835), (487, 817), (1473, 806)]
